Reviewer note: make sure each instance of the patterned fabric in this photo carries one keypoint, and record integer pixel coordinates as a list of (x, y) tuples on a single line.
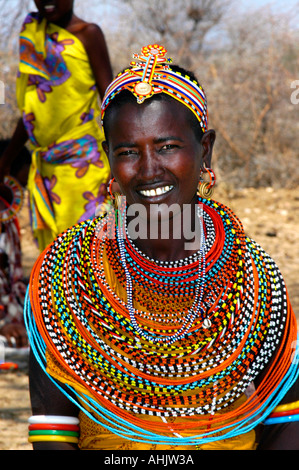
[(58, 99)]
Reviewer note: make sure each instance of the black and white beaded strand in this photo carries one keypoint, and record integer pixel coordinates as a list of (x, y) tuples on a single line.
[(197, 304)]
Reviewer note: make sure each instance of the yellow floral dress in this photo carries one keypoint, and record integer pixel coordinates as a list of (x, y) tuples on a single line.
[(58, 100)]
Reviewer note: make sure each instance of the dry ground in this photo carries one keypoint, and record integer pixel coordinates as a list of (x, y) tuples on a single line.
[(271, 217)]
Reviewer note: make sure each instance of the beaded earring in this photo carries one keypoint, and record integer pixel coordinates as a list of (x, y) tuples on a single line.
[(205, 188), (115, 196)]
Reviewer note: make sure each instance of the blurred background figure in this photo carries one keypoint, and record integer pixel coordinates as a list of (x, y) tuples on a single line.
[(12, 282), (64, 67)]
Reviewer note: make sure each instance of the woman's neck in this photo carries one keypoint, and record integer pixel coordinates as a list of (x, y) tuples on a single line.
[(170, 240), (66, 21), (164, 250)]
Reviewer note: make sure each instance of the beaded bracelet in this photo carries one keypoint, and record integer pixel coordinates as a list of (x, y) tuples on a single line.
[(275, 414), (62, 427), (53, 432), (51, 428), (286, 407), (37, 419), (285, 413), (282, 419), (70, 439)]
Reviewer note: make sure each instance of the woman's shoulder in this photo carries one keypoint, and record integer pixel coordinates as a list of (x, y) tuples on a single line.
[(87, 32)]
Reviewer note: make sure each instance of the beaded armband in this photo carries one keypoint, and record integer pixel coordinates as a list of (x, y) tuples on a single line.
[(48, 428), (286, 413)]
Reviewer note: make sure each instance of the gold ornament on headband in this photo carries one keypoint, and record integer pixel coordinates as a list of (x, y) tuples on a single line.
[(151, 58)]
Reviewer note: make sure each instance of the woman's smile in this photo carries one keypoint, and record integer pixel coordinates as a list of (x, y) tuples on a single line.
[(155, 192)]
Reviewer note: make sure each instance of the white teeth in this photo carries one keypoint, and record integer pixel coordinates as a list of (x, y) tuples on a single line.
[(155, 192)]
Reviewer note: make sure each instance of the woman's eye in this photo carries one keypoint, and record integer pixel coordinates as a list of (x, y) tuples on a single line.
[(127, 153), (168, 147)]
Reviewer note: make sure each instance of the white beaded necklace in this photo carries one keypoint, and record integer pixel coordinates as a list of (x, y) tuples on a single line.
[(197, 304)]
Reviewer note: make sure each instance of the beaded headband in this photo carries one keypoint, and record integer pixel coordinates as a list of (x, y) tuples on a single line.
[(153, 75)]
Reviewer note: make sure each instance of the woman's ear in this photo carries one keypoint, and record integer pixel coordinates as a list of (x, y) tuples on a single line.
[(207, 142), (105, 147)]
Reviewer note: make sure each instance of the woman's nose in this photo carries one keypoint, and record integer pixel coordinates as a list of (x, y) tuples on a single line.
[(150, 164)]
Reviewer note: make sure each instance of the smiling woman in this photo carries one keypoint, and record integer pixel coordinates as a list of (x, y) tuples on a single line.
[(157, 162), (148, 344)]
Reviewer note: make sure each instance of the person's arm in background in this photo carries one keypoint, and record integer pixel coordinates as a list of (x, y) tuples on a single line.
[(16, 332), (96, 48), (17, 142)]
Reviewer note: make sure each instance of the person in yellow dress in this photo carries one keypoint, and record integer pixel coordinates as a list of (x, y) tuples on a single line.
[(64, 67), (175, 339)]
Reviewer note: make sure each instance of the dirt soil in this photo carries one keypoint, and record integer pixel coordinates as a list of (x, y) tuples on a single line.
[(271, 217)]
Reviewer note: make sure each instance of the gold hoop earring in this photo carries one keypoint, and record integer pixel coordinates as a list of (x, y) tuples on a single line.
[(205, 188)]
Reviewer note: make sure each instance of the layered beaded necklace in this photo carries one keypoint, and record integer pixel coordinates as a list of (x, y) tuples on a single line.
[(196, 306), (187, 344)]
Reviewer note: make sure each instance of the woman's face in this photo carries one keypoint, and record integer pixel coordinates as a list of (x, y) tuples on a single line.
[(154, 154), (54, 10)]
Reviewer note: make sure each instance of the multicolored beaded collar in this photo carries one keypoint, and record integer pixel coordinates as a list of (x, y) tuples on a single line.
[(153, 75), (136, 387), (17, 195)]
